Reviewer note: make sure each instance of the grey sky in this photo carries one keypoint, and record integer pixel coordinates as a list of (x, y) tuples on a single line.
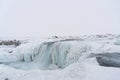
[(58, 17)]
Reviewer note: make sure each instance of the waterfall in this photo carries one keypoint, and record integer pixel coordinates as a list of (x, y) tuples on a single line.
[(53, 53), (58, 54)]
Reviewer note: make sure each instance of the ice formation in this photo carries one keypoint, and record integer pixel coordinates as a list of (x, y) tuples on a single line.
[(58, 54), (51, 54), (73, 60)]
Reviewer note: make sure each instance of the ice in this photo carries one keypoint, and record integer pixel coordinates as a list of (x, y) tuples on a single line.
[(117, 42), (57, 53), (109, 59), (61, 60), (6, 55), (60, 53), (86, 70)]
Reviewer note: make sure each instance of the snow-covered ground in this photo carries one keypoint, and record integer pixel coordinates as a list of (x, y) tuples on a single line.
[(77, 71), (61, 59)]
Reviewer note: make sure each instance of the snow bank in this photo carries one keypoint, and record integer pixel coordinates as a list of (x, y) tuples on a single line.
[(86, 70)]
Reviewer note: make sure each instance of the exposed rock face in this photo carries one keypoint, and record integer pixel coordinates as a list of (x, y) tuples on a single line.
[(10, 42)]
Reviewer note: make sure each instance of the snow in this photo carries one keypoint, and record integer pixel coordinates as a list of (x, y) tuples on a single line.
[(85, 70), (57, 53), (60, 59), (5, 56)]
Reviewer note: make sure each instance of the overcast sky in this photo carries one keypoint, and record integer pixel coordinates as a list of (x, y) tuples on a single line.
[(59, 17)]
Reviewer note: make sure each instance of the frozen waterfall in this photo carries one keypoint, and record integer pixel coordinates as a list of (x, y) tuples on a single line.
[(58, 54)]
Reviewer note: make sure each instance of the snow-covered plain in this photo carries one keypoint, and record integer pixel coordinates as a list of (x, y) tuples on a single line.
[(61, 59)]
